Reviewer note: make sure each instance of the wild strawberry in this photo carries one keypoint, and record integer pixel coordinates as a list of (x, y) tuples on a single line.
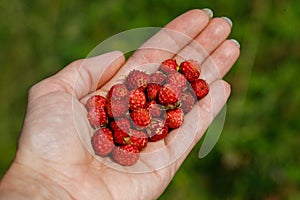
[(152, 90), (102, 142), (168, 66), (174, 118), (200, 87), (121, 137), (115, 108), (157, 130), (137, 79), (190, 69), (126, 155), (139, 139), (187, 101), (140, 117), (95, 101), (169, 95), (137, 99), (120, 129), (97, 117), (154, 108), (157, 77), (122, 124), (118, 92), (177, 80)]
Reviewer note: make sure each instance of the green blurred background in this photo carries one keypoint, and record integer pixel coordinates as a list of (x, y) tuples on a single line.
[(257, 155)]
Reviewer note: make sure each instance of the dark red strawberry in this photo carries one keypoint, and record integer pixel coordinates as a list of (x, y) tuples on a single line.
[(140, 117), (122, 123), (152, 90), (137, 79), (126, 155), (118, 92), (157, 130), (115, 108), (201, 88), (121, 130), (139, 139), (137, 99), (168, 66), (157, 77), (177, 80), (121, 137), (187, 101), (174, 118), (169, 95), (102, 142), (97, 117), (154, 108), (95, 101), (190, 69)]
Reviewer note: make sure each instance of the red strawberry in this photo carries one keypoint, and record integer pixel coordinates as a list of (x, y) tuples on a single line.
[(157, 77), (169, 95), (137, 79), (139, 139), (187, 101), (176, 79), (174, 118), (102, 142), (120, 129), (122, 124), (126, 155), (201, 88), (141, 117), (137, 99), (121, 137), (157, 130), (190, 69), (168, 66), (95, 101), (118, 92), (97, 117), (115, 108), (154, 108), (152, 90)]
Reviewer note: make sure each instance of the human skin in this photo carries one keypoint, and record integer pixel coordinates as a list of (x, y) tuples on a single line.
[(52, 162)]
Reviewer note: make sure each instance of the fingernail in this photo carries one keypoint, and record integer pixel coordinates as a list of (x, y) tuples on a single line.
[(228, 20), (209, 12), (236, 42)]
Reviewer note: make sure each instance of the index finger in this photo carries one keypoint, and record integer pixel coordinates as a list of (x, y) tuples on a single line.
[(172, 38)]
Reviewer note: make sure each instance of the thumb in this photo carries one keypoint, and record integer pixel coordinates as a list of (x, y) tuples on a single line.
[(87, 75), (82, 76)]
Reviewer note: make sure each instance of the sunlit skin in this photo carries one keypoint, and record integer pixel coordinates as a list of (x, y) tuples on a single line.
[(53, 163)]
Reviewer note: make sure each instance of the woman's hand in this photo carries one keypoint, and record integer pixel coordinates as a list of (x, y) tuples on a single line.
[(54, 160)]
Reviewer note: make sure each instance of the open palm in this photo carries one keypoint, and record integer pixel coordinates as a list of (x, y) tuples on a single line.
[(55, 148)]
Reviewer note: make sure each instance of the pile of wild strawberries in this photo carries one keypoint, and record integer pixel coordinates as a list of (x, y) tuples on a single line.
[(144, 108)]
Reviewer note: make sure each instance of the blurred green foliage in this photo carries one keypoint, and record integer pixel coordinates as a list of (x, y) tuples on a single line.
[(257, 155)]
